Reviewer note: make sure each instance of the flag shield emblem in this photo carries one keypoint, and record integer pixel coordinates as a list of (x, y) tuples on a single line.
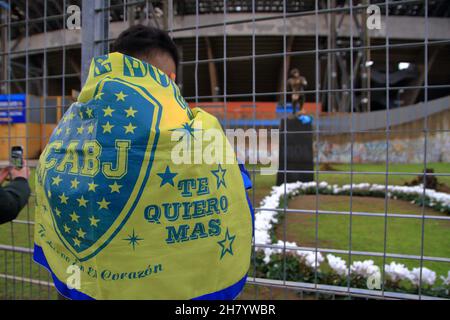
[(97, 163)]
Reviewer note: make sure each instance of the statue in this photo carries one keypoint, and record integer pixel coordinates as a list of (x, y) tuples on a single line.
[(297, 83)]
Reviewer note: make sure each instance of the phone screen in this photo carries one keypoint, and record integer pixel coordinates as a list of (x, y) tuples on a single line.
[(17, 157)]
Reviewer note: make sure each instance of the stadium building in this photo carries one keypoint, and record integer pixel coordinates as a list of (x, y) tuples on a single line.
[(235, 63)]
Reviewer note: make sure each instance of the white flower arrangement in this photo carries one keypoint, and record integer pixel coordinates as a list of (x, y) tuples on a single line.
[(364, 268), (446, 280), (312, 259), (338, 265), (396, 272), (428, 276), (266, 220)]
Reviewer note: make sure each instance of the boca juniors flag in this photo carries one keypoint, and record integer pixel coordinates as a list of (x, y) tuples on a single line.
[(119, 215)]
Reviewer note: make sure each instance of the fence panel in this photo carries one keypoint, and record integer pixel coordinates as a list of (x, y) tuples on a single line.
[(377, 93)]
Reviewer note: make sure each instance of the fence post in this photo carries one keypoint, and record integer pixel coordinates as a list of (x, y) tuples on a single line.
[(94, 33)]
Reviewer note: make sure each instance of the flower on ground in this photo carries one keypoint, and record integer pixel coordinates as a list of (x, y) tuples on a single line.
[(446, 281), (364, 268), (428, 276), (337, 264), (396, 272), (310, 259)]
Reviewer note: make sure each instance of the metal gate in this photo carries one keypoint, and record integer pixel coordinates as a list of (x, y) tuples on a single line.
[(378, 94)]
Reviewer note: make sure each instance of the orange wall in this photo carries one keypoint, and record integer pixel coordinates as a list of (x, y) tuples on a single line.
[(31, 136), (245, 109), (37, 134)]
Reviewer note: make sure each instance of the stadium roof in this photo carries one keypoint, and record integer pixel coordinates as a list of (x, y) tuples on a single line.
[(53, 12)]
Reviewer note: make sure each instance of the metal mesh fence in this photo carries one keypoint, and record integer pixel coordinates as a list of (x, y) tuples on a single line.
[(379, 99)]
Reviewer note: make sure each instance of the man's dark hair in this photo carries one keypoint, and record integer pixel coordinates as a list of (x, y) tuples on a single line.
[(139, 40)]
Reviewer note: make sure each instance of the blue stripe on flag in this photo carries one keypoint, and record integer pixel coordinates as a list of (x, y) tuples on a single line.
[(229, 293), (248, 185), (38, 256), (245, 176)]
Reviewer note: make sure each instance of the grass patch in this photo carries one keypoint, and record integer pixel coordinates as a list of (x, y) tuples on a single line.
[(403, 235), (359, 175)]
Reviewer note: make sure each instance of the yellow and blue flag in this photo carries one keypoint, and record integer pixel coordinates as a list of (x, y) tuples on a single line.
[(117, 217)]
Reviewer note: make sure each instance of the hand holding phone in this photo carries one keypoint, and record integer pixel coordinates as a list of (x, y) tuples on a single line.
[(16, 159), (22, 173), (18, 164)]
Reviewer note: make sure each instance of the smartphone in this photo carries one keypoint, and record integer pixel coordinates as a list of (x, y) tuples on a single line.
[(17, 157)]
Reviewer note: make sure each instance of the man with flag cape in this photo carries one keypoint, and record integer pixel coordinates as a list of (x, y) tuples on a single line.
[(124, 211)]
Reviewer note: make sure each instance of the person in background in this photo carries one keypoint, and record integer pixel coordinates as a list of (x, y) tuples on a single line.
[(14, 196), (151, 45), (201, 258)]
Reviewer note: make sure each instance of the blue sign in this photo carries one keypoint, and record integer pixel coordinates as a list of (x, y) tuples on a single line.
[(12, 108)]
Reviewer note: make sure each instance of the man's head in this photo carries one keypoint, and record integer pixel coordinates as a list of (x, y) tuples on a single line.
[(295, 73), (151, 45)]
